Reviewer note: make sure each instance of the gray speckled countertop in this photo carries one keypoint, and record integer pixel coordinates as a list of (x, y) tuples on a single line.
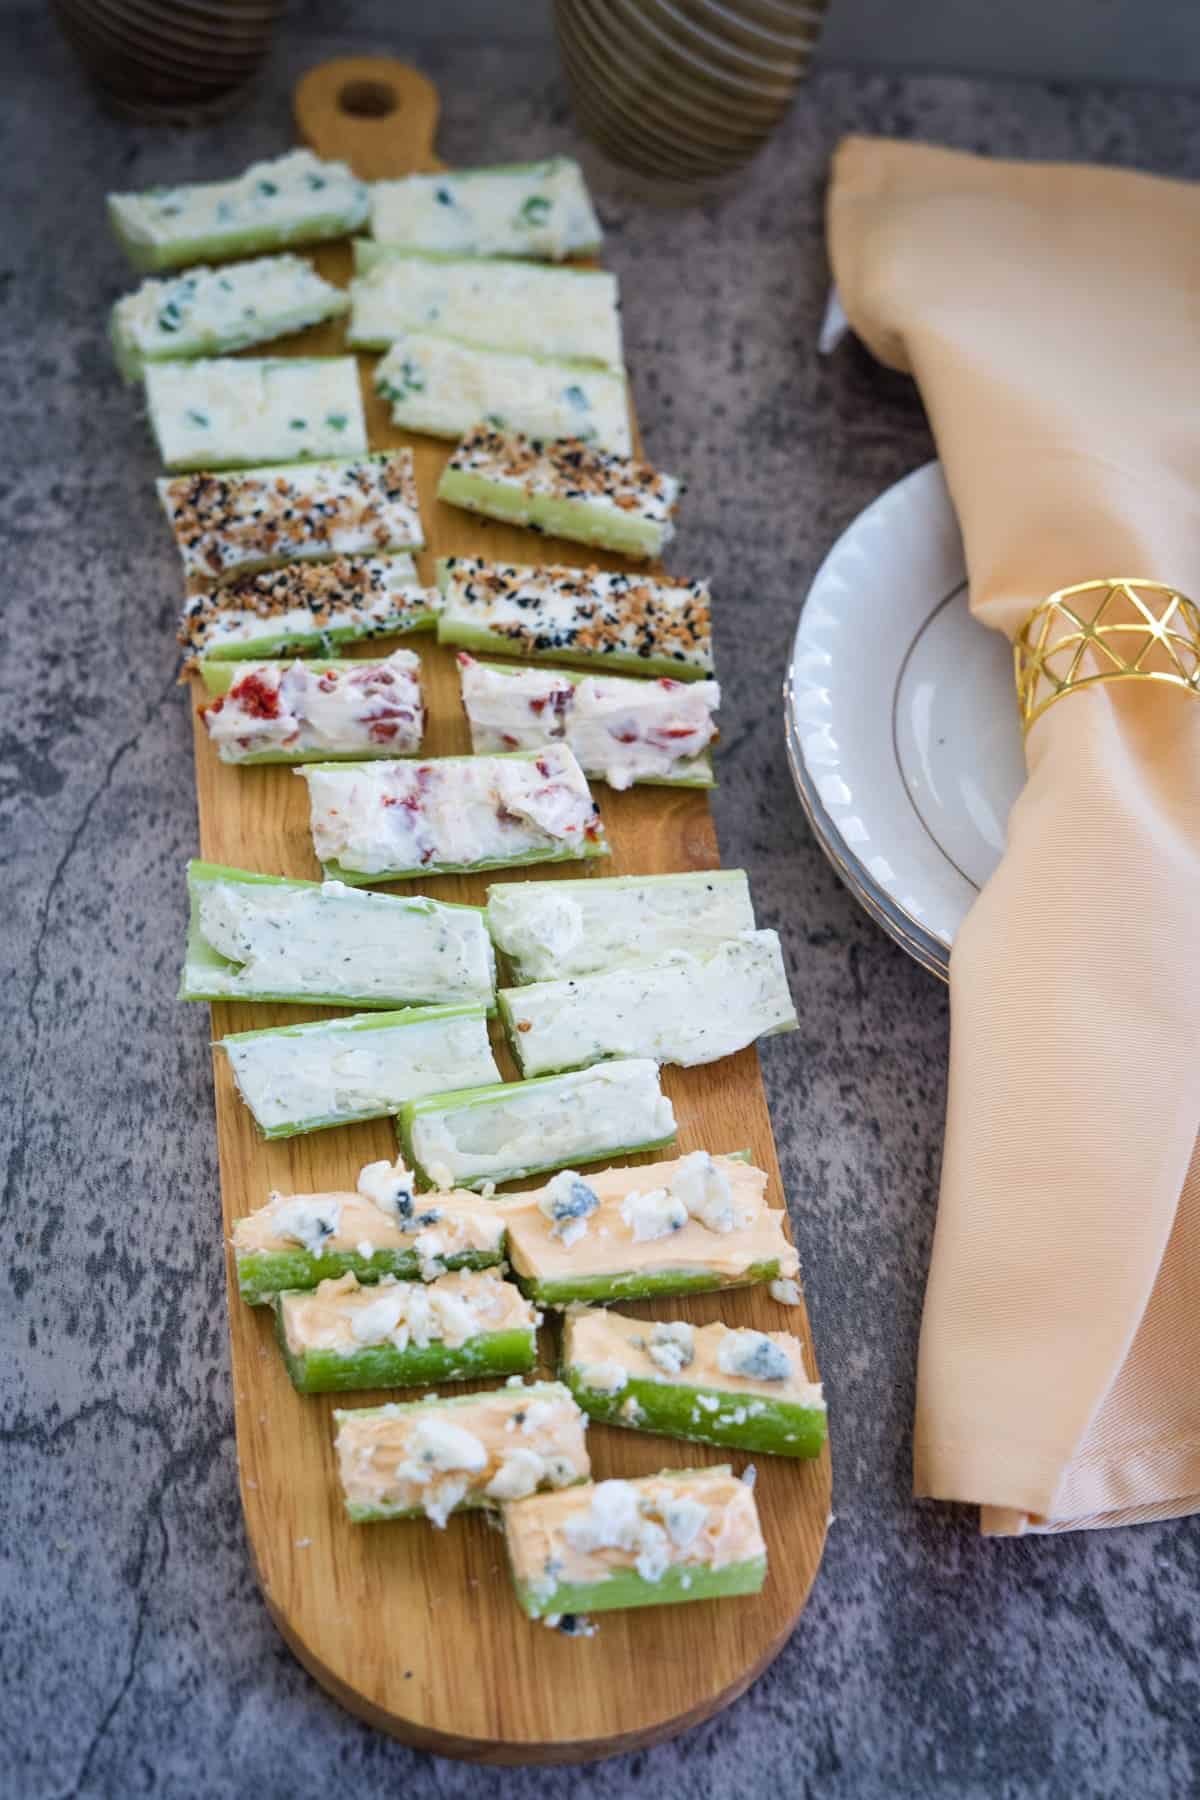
[(135, 1655)]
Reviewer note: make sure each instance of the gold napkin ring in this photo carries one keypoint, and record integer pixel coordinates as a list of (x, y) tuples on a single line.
[(1118, 629)]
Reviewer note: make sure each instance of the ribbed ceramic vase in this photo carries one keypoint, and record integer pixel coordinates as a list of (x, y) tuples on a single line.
[(684, 91), (169, 60)]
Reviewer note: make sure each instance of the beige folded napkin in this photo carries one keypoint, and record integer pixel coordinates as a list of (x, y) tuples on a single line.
[(1051, 316)]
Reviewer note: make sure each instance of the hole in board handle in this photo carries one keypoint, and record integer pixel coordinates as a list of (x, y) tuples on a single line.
[(368, 99)]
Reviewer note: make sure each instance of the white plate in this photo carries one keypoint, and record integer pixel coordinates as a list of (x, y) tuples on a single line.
[(902, 722)]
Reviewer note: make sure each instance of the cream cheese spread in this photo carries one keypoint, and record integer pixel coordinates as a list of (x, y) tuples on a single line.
[(230, 411), (532, 209), (551, 929), (302, 1076), (392, 817), (440, 385), (578, 613), (509, 1443), (312, 709), (337, 1222), (687, 1009), (631, 505), (532, 1125), (230, 524), (305, 604), (213, 311), (621, 730), (567, 313), (316, 939), (641, 1225)]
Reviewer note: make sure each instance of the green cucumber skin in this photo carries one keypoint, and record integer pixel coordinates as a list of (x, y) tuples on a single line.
[(356, 878), (263, 1274), (599, 1290), (382, 1515), (318, 643), (667, 1410), (153, 259), (383, 1366), (626, 1589), (576, 520)]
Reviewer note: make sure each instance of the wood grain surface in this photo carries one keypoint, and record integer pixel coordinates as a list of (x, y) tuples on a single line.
[(416, 1630)]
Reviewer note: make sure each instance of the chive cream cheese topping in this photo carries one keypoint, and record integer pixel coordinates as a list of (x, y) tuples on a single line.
[(533, 209), (393, 816), (227, 412), (214, 310), (589, 613), (225, 524), (362, 708), (621, 730), (295, 198), (439, 385), (567, 313)]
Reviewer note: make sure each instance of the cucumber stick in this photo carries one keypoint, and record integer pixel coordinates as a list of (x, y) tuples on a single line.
[(569, 490), (212, 312), (461, 1327), (564, 313), (550, 930), (600, 617), (687, 1009), (538, 209), (300, 1240), (695, 1224), (475, 1136), (444, 386), (672, 1379), (430, 1458), (295, 199), (386, 821), (231, 524), (308, 606), (227, 412), (297, 1078), (264, 937), (314, 711), (684, 1534), (621, 731)]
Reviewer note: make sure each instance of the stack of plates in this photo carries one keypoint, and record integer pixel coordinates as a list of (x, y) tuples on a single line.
[(172, 60), (684, 90)]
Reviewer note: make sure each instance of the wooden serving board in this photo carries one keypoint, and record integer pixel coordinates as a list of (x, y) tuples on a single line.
[(416, 1630)]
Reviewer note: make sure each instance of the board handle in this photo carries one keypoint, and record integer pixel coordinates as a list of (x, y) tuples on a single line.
[(373, 112)]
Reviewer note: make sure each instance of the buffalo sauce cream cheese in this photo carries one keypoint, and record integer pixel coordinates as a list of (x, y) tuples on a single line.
[(699, 1213), (701, 1519), (484, 1449)]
